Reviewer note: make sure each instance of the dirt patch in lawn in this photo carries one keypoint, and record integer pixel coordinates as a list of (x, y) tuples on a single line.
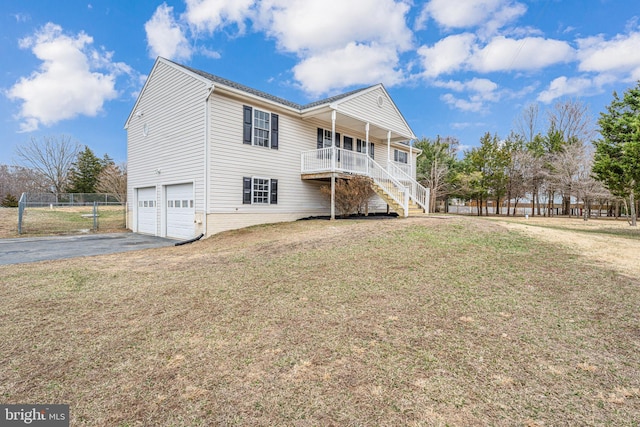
[(607, 243)]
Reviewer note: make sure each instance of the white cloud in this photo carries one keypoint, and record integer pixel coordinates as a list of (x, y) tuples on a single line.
[(566, 86), (462, 104), (313, 26), (339, 48), (619, 55), (68, 82), (165, 36), (211, 15), (22, 17), (481, 91), (354, 64), (530, 53), (463, 52), (576, 86), (490, 15), (447, 55)]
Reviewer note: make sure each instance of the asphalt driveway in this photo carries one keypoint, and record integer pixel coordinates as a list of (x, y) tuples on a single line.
[(32, 249)]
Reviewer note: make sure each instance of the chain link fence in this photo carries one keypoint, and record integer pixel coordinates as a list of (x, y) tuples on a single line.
[(72, 213)]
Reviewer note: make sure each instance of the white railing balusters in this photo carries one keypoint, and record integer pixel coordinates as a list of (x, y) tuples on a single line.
[(418, 193), (347, 161)]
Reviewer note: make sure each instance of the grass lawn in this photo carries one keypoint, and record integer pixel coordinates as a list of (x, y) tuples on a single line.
[(419, 322), (61, 220)]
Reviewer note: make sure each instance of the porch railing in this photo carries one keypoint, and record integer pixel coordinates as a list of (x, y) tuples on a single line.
[(394, 188), (339, 160), (322, 160), (417, 192)]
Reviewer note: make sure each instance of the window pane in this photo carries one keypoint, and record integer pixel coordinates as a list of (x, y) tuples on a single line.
[(260, 190), (328, 138), (261, 128)]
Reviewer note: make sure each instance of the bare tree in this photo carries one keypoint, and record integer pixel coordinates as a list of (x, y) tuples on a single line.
[(528, 123), (52, 157), (572, 119), (113, 180), (16, 180)]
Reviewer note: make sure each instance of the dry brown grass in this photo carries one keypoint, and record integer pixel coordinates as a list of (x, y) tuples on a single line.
[(8, 222), (422, 322), (42, 221)]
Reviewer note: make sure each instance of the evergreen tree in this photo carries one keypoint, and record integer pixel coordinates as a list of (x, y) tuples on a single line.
[(617, 157), (9, 201), (85, 172)]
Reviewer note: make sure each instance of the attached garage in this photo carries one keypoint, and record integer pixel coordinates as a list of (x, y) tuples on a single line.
[(180, 211), (146, 212)]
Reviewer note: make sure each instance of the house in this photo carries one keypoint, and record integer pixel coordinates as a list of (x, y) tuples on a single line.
[(206, 154)]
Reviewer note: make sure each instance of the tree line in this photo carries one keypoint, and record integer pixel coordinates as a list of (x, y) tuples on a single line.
[(60, 165), (551, 158)]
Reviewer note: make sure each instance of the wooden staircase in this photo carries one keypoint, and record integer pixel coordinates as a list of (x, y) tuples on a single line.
[(414, 208)]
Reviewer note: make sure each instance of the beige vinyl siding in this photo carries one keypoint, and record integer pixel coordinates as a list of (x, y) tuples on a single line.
[(365, 107), (231, 160), (172, 106)]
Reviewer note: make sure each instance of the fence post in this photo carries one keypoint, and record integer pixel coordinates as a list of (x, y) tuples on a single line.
[(21, 206), (95, 216)]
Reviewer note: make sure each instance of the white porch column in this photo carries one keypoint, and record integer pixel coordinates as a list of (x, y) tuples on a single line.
[(388, 148), (366, 147), (333, 164)]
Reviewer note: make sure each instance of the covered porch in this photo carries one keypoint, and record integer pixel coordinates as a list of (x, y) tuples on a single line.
[(363, 133)]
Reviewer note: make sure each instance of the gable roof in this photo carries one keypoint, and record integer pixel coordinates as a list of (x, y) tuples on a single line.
[(332, 101), (226, 82)]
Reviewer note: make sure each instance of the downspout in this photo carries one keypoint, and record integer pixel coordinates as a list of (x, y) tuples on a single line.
[(411, 159), (206, 159)]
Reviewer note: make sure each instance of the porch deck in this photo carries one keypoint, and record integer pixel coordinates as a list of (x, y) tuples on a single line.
[(394, 185)]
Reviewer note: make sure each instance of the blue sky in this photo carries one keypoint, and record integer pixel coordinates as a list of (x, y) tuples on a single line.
[(454, 67)]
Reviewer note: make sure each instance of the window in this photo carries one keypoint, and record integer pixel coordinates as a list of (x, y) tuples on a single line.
[(260, 128), (325, 138), (260, 191), (348, 143), (256, 190), (400, 156), (361, 147)]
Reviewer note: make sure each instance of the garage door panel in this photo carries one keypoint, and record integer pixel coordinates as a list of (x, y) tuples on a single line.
[(147, 210), (180, 211)]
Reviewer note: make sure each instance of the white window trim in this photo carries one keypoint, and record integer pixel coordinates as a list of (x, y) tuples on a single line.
[(398, 161), (253, 128), (268, 202)]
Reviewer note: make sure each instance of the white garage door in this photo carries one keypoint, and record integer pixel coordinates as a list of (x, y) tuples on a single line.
[(146, 210), (180, 211)]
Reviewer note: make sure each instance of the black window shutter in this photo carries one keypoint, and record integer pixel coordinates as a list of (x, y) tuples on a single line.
[(274, 192), (359, 145), (274, 131), (247, 120), (337, 140), (246, 190), (320, 138), (395, 155), (371, 150)]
